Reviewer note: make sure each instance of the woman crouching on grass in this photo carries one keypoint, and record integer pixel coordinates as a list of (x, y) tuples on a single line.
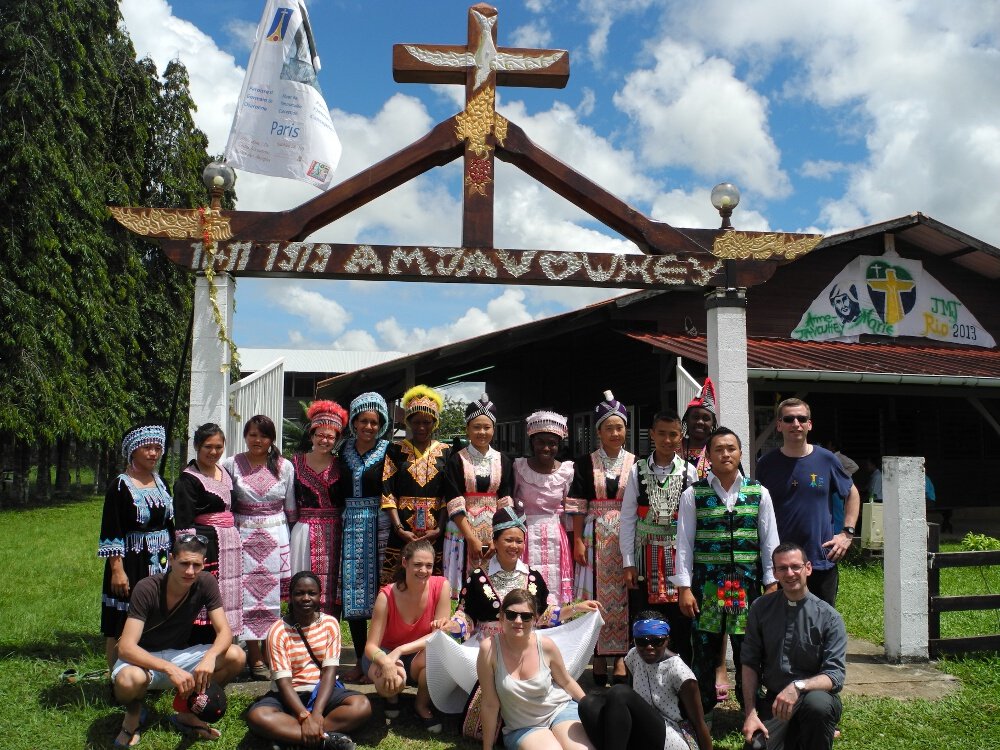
[(406, 613), (309, 706), (524, 679)]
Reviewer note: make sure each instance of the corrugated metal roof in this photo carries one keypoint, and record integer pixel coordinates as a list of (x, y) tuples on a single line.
[(840, 357), (326, 361)]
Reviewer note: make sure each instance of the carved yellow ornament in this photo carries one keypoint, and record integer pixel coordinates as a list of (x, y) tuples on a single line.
[(476, 122), (771, 246), (173, 223)]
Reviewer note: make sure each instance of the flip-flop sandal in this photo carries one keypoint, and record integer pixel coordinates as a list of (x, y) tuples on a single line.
[(194, 732), (260, 671), (130, 733), (721, 692)]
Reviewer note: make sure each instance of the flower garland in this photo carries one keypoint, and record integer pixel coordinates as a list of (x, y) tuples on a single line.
[(207, 217)]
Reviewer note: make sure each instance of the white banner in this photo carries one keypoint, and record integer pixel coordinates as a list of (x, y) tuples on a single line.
[(889, 296), (282, 126)]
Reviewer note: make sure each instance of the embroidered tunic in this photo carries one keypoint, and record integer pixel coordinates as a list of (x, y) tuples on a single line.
[(137, 526), (317, 527), (366, 528), (599, 484), (413, 484), (476, 485), (485, 589), (649, 523), (204, 506), (261, 510), (542, 498)]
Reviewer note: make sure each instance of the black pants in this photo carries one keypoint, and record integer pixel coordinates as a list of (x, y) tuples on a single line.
[(680, 626), (359, 634), (707, 647), (824, 584), (621, 719), (811, 726)]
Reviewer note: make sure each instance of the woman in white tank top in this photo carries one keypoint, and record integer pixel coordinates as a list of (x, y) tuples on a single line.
[(524, 680)]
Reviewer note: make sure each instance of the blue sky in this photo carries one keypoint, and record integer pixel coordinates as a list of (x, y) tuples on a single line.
[(827, 118)]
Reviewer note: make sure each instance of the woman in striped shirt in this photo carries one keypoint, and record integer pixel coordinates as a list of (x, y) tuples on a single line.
[(306, 704)]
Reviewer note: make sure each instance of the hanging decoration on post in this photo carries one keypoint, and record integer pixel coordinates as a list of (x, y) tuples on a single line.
[(208, 217)]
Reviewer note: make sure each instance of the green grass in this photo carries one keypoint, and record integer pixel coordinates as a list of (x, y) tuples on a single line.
[(49, 621)]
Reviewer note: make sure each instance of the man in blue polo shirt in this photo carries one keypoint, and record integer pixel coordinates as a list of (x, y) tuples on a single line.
[(801, 479)]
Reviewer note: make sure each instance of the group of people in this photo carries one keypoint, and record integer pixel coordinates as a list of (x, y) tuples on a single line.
[(671, 552)]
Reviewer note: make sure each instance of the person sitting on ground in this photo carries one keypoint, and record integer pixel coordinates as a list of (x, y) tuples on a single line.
[(406, 613), (307, 706), (524, 680), (647, 714), (153, 653), (796, 647)]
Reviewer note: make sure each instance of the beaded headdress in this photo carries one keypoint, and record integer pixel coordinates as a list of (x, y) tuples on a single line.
[(326, 412), (481, 408), (148, 434), (610, 407), (547, 421), (371, 401), (704, 400), (423, 400)]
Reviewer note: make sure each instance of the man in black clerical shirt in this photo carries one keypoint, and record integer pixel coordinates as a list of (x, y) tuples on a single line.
[(796, 647)]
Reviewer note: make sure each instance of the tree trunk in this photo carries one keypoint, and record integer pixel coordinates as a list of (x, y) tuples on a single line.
[(22, 465), (62, 466), (43, 476), (77, 464)]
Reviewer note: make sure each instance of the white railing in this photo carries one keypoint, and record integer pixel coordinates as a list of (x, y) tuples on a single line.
[(260, 393), (687, 388)]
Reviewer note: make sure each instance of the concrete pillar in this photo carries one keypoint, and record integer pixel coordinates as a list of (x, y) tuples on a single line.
[(905, 558), (210, 355), (727, 360)]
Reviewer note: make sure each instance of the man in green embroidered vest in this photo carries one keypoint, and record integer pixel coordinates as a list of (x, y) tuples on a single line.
[(726, 533)]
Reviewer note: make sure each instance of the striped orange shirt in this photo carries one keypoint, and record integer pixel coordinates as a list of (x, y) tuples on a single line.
[(289, 657)]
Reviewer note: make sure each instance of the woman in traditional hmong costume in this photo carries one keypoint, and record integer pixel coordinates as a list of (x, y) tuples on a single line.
[(599, 483), (413, 481), (541, 487), (318, 515), (366, 527), (265, 499), (136, 529), (479, 481), (203, 501), (697, 424)]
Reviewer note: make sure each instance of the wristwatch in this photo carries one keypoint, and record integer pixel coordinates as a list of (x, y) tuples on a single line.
[(800, 685), (849, 530)]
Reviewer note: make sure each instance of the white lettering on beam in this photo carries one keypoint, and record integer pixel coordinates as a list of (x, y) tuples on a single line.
[(363, 259), (514, 268), (407, 258)]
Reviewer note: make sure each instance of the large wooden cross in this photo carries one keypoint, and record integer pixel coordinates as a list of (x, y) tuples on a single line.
[(270, 243), (481, 66)]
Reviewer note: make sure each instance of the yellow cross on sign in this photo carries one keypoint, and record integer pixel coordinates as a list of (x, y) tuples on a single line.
[(892, 287)]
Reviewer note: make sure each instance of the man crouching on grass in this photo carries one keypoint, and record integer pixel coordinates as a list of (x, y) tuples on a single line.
[(153, 651)]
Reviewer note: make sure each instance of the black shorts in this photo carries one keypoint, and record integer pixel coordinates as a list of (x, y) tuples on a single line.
[(273, 699), (407, 660)]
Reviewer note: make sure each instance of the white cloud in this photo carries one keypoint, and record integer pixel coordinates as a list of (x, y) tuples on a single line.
[(319, 313), (602, 14), (692, 111), (501, 312), (242, 33), (822, 169), (533, 35), (679, 208), (915, 81), (356, 341)]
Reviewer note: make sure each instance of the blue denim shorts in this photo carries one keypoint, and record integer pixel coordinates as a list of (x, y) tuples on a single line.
[(569, 712)]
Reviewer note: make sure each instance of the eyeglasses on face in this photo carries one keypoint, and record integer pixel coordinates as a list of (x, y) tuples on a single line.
[(185, 538), (800, 418), (650, 640), (513, 615), (782, 569)]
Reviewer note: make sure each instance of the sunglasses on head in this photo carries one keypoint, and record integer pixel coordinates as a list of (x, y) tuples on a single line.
[(650, 640), (800, 418), (512, 615), (185, 538)]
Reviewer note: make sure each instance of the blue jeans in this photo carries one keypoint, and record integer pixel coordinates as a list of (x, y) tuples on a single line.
[(569, 712)]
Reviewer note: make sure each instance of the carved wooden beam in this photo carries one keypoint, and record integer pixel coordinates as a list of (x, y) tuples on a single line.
[(468, 265)]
